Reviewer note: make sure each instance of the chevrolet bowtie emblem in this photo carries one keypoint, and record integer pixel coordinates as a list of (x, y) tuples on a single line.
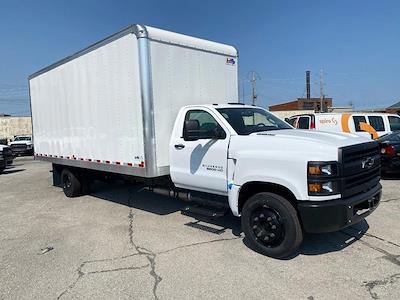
[(367, 163)]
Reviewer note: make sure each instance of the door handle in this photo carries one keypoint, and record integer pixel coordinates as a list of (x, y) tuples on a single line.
[(179, 146)]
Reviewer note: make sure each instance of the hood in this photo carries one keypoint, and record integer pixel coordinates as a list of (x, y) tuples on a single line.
[(314, 136), (292, 144), (21, 143)]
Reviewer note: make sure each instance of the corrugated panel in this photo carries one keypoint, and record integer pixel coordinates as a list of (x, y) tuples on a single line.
[(184, 76), (90, 107)]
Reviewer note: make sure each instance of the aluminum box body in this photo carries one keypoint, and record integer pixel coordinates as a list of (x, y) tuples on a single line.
[(112, 106)]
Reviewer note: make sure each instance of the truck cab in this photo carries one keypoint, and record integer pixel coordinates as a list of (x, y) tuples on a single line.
[(281, 182)]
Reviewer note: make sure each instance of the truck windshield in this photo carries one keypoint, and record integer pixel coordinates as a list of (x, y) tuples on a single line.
[(22, 138), (249, 120)]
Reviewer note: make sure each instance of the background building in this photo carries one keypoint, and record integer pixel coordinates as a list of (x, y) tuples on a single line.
[(303, 104), (307, 103), (11, 126), (394, 109)]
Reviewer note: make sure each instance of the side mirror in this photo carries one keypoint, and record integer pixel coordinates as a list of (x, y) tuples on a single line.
[(191, 130)]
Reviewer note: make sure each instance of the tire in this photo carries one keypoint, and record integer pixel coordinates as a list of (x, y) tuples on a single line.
[(271, 225), (70, 183), (2, 170)]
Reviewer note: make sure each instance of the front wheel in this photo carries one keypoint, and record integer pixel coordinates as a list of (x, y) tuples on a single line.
[(271, 225)]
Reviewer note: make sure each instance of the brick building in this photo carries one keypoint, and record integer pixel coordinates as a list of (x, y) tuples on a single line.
[(303, 104), (307, 103)]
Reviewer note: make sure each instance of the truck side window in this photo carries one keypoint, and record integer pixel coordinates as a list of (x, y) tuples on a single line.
[(357, 120), (206, 121), (304, 123), (292, 121), (394, 123), (377, 123)]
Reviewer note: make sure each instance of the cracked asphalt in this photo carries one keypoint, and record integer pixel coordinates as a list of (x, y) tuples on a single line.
[(125, 242)]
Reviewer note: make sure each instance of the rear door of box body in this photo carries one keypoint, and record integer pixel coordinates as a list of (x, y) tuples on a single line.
[(89, 108)]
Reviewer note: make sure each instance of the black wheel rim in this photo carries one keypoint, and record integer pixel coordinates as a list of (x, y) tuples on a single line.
[(267, 226), (67, 183)]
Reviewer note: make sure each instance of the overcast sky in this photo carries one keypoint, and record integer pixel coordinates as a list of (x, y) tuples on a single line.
[(356, 43)]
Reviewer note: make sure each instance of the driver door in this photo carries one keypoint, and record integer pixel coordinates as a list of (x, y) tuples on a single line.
[(201, 164)]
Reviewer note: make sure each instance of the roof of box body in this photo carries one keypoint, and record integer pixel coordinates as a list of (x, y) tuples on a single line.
[(154, 34)]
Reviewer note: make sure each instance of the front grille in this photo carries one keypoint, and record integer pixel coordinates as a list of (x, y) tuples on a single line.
[(360, 168), (19, 146)]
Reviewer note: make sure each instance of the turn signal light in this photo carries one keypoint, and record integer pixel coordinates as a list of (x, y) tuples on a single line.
[(314, 187), (314, 170)]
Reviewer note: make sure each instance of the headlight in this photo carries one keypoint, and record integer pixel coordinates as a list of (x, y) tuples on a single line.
[(322, 188), (322, 169), (28, 146), (322, 178)]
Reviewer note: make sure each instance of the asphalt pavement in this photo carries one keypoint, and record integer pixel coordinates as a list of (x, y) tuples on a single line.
[(125, 242)]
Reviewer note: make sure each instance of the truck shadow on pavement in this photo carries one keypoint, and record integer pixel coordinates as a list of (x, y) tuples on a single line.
[(10, 169), (136, 196), (323, 243), (316, 244)]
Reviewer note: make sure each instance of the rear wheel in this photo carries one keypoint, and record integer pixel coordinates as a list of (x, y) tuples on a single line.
[(271, 225), (70, 183)]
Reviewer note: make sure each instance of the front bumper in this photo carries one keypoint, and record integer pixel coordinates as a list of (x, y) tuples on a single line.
[(17, 151), (333, 215), (8, 158), (3, 163)]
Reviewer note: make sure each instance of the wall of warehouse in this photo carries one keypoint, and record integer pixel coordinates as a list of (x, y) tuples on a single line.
[(10, 126)]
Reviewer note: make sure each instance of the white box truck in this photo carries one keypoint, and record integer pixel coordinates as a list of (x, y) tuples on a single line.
[(135, 105)]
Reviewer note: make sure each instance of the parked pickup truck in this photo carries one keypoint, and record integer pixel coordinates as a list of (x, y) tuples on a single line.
[(135, 105), (22, 145), (6, 157)]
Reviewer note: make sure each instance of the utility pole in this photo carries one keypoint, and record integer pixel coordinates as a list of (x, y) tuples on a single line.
[(254, 78), (321, 89)]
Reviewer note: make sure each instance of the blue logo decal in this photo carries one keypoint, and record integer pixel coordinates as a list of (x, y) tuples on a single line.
[(230, 185)]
